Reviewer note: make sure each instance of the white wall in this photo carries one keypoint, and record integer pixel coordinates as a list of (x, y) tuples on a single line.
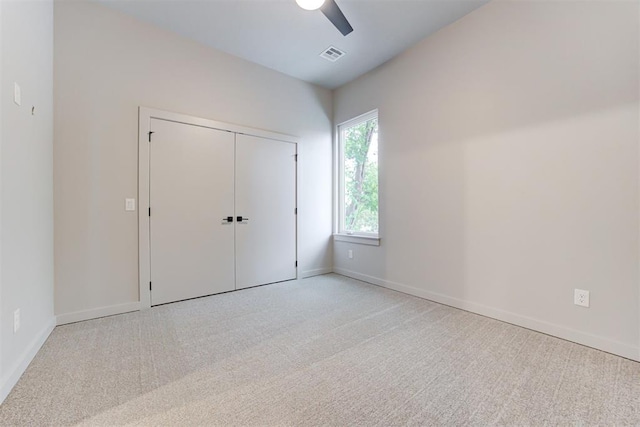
[(106, 65), (509, 168), (26, 188)]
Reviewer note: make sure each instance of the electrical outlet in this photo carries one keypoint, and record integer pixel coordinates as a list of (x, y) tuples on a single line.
[(16, 320), (581, 297), (350, 254)]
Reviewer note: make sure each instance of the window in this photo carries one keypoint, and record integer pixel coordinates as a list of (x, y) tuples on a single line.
[(358, 176)]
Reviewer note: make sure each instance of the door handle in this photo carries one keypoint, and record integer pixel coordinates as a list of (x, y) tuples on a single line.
[(227, 220), (242, 220)]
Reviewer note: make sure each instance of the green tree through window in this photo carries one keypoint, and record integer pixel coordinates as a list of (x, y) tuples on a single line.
[(360, 176)]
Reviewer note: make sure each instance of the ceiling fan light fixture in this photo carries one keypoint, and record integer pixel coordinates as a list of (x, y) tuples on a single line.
[(310, 4)]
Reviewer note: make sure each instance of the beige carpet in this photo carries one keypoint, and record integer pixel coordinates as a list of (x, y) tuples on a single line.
[(321, 351)]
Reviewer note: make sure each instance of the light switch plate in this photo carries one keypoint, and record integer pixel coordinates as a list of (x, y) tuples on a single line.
[(129, 204), (16, 320), (17, 94)]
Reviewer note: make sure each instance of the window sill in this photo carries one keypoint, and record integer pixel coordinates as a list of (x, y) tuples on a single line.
[(360, 240)]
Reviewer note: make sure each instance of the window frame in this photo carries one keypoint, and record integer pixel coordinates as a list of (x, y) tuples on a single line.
[(340, 234)]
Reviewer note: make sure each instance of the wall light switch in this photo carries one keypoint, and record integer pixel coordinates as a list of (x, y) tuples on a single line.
[(129, 204), (17, 94), (350, 254), (16, 320)]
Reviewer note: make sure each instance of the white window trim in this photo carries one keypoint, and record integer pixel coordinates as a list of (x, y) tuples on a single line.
[(357, 238), (372, 239)]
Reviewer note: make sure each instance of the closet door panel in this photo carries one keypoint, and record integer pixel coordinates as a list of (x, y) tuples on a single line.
[(266, 199), (191, 196)]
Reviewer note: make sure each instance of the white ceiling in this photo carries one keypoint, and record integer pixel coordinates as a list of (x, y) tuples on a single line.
[(280, 35)]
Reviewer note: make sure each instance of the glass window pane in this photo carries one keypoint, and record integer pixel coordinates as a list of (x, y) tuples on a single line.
[(360, 177)]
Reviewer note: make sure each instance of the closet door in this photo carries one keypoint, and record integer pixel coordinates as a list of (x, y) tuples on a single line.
[(191, 197), (266, 202)]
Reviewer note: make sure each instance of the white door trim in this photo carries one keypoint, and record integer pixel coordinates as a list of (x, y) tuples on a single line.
[(145, 115)]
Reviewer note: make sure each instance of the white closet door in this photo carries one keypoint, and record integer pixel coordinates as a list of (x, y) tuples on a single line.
[(191, 195), (266, 197)]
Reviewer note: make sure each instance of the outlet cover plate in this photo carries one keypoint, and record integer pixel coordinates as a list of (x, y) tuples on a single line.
[(581, 297)]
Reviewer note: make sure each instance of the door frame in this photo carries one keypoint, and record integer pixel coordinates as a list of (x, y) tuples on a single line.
[(145, 114)]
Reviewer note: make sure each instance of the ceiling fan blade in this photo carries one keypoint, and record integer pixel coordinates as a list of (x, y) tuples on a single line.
[(337, 18)]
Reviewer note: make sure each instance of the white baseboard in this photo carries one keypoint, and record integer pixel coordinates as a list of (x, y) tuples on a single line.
[(94, 313), (595, 341), (315, 272), (15, 372)]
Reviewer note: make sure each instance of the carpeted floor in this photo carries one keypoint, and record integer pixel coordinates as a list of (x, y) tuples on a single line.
[(321, 351)]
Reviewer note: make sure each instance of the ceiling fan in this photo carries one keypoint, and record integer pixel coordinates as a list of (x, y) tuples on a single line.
[(331, 10)]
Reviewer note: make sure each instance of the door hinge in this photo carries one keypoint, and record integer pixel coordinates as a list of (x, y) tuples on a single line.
[(296, 263), (295, 211), (150, 286), (295, 156), (150, 135), (149, 211)]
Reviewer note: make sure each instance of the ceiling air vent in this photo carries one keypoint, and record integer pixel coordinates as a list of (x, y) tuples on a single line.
[(332, 54)]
